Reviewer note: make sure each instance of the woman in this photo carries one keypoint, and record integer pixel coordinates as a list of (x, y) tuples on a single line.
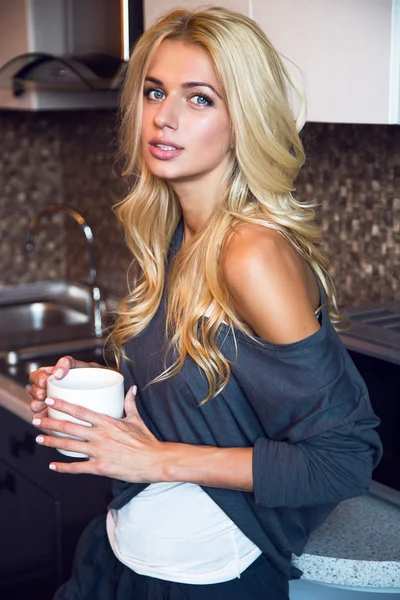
[(250, 422)]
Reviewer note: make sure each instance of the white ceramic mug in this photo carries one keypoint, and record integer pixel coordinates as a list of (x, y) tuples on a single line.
[(100, 390)]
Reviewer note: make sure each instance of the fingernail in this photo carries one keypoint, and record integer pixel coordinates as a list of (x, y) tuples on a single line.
[(36, 421), (58, 373), (134, 390), (52, 467), (40, 439), (49, 401)]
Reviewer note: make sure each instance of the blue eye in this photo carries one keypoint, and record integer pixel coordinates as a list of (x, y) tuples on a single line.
[(202, 100), (153, 94)]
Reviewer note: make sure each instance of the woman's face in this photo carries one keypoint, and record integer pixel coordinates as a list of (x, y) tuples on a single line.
[(186, 132)]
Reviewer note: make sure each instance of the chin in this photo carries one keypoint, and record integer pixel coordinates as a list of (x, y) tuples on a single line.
[(169, 173)]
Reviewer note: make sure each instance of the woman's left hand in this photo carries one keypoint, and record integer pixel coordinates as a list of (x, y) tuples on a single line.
[(123, 449)]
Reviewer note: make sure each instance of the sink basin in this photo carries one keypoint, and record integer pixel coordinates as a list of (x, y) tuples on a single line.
[(38, 315), (19, 364), (40, 322), (43, 313)]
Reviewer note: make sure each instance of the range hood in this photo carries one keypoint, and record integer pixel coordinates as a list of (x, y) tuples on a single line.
[(65, 54)]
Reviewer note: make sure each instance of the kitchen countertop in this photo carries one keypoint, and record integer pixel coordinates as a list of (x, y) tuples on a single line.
[(374, 331), (358, 545), (15, 398)]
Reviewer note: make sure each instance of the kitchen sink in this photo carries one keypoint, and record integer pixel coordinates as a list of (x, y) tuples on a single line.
[(19, 364), (38, 315), (40, 322), (43, 313), (61, 292)]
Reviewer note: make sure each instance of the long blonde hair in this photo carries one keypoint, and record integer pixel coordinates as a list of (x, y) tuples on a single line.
[(257, 188)]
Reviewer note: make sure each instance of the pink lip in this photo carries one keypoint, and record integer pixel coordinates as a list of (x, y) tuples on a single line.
[(162, 154), (165, 142)]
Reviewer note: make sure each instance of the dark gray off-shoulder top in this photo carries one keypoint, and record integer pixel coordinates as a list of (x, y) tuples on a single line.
[(303, 407)]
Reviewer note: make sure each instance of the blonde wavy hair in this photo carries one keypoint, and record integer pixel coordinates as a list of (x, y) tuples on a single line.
[(257, 188)]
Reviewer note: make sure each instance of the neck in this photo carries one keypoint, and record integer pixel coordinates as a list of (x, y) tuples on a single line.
[(197, 201)]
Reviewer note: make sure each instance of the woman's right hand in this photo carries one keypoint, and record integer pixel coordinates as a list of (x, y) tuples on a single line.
[(38, 379)]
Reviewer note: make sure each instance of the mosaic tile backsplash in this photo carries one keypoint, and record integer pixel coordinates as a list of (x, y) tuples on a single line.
[(352, 172), (60, 158)]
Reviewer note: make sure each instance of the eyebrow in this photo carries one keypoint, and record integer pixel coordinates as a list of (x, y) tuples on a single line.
[(187, 84)]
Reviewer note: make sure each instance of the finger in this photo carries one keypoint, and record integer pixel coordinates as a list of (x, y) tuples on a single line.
[(38, 406), (40, 415), (66, 444), (74, 468), (64, 427), (66, 363), (79, 412), (39, 377), (130, 402), (38, 393), (63, 365)]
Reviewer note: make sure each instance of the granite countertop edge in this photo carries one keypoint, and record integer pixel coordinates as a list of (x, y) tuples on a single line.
[(347, 572), (15, 398)]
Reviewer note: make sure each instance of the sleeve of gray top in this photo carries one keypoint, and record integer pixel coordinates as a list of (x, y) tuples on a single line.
[(328, 468), (320, 444)]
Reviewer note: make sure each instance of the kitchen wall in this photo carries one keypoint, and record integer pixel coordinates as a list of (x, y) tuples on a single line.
[(352, 171), (55, 158)]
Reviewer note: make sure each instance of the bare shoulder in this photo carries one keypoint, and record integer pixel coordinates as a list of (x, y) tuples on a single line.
[(249, 243), (271, 286)]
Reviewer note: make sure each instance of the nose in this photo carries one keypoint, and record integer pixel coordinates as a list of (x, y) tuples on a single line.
[(167, 114)]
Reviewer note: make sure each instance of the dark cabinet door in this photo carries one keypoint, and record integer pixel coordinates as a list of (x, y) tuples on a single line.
[(42, 513), (383, 383), (30, 540)]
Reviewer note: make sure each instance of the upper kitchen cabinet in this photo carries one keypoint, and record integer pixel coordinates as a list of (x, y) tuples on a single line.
[(347, 50), (154, 8)]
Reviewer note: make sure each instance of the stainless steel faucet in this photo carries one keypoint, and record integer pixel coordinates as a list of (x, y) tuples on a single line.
[(95, 313)]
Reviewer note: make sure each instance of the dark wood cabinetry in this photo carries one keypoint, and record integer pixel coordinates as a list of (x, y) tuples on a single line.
[(383, 382), (30, 530), (42, 513)]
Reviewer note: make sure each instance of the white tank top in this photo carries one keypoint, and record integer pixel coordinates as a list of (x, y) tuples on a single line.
[(176, 532)]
